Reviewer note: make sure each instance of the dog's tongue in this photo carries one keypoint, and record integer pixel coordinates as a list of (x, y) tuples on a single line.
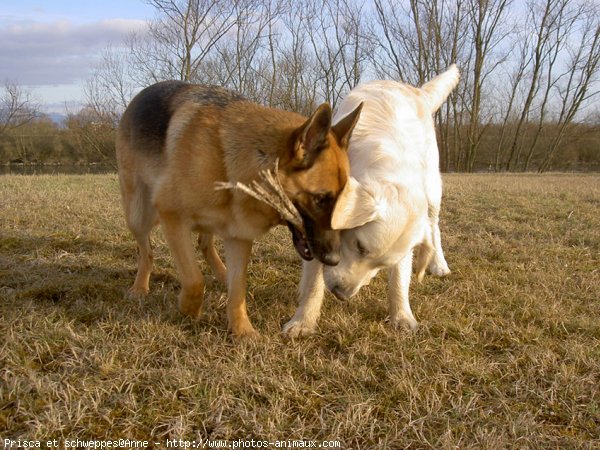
[(300, 242)]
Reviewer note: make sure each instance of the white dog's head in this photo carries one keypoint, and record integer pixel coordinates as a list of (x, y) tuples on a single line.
[(380, 225)]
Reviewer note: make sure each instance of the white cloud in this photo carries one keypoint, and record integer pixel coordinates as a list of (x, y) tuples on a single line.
[(57, 53)]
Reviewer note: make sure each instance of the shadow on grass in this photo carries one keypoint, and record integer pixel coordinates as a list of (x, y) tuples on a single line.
[(73, 275), (86, 282)]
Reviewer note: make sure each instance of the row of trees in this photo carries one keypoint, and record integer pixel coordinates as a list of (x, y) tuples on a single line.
[(27, 136), (529, 68)]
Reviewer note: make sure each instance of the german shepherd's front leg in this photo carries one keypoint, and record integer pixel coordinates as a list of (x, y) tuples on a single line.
[(179, 237), (237, 256)]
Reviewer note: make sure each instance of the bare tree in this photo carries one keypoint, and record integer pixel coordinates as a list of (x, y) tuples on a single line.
[(91, 137), (418, 39), (516, 76), (17, 107), (335, 30), (528, 72), (243, 60), (297, 68), (350, 23), (548, 22), (575, 85), (552, 79), (180, 38), (110, 88), (486, 17)]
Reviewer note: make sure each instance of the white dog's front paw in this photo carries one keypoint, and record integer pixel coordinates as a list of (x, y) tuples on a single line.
[(404, 322), (298, 328)]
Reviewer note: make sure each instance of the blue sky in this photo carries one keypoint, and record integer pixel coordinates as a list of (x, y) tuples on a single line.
[(50, 47)]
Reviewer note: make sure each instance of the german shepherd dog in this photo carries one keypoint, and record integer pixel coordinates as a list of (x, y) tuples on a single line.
[(176, 140)]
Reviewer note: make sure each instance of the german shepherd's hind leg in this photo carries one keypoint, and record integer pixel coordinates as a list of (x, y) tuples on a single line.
[(237, 256), (141, 285), (141, 217), (179, 238), (206, 242)]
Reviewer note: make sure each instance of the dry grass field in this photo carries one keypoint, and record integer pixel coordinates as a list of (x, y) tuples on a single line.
[(507, 354)]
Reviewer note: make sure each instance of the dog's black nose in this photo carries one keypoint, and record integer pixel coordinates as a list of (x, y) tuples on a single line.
[(331, 259), (339, 293)]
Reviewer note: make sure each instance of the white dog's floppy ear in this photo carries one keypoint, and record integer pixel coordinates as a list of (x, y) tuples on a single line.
[(355, 206)]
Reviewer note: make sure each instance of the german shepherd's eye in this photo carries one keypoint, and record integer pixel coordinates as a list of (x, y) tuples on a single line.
[(322, 201), (362, 251)]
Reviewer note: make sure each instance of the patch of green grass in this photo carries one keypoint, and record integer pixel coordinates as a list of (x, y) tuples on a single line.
[(507, 354)]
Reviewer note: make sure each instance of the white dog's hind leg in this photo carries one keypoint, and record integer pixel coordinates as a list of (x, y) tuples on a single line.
[(433, 190), (398, 303), (310, 297), (438, 265)]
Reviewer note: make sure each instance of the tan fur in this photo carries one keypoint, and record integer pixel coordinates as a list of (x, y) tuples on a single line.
[(205, 143)]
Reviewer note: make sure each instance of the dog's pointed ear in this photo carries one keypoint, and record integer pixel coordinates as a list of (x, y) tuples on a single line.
[(312, 137), (343, 129), (355, 206)]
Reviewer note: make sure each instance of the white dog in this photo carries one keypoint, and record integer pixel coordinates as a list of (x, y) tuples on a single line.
[(392, 202)]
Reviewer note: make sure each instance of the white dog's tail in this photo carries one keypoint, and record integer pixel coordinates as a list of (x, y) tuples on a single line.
[(438, 89)]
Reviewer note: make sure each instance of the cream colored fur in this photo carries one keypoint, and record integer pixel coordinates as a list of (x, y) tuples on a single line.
[(390, 208)]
